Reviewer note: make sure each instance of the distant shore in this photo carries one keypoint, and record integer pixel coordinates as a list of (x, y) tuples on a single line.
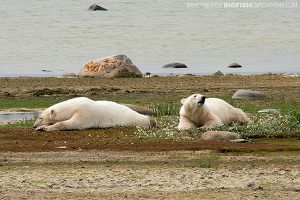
[(165, 86), (163, 73)]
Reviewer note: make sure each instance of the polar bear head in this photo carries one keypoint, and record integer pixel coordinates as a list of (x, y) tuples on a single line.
[(194, 101), (46, 118)]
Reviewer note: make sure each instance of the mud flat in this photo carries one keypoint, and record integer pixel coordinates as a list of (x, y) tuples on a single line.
[(148, 175)]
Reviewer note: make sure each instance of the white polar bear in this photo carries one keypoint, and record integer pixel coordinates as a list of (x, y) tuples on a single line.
[(83, 113), (198, 111)]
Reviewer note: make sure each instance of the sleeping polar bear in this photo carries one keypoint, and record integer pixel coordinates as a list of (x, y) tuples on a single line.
[(83, 113), (197, 111)]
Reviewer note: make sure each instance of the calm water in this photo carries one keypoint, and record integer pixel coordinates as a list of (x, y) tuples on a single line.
[(13, 116), (61, 36)]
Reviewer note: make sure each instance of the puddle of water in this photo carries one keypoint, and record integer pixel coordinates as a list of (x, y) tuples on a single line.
[(17, 116)]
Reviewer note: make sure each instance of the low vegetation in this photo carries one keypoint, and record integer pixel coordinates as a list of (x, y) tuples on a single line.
[(163, 95), (280, 125)]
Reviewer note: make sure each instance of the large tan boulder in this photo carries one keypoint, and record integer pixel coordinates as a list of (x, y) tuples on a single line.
[(118, 66)]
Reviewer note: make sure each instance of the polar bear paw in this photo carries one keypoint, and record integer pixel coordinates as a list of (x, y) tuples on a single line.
[(41, 128)]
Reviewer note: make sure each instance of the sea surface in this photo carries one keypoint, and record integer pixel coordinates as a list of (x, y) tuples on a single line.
[(62, 35)]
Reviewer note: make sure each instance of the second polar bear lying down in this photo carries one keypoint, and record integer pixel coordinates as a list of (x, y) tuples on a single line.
[(83, 113), (198, 111)]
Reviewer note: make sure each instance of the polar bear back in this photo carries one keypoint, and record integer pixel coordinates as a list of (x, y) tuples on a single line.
[(114, 114), (226, 112), (99, 113), (84, 113)]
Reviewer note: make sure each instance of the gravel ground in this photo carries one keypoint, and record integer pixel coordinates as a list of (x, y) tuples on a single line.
[(145, 175)]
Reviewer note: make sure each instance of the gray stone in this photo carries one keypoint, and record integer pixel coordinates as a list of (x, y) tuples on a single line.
[(239, 140), (271, 111), (249, 94), (175, 65), (220, 135), (69, 75), (250, 185), (184, 75), (218, 73), (235, 65), (95, 7), (118, 66)]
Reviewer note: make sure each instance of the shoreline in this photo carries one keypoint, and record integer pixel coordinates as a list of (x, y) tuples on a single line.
[(162, 86), (163, 74)]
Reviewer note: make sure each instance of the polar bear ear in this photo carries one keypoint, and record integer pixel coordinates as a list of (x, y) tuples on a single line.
[(52, 114), (182, 101)]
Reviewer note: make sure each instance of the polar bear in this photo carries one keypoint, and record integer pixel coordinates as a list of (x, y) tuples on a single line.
[(199, 111), (83, 113)]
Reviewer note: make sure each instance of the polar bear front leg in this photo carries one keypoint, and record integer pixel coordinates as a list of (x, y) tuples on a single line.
[(185, 124), (212, 124), (58, 126), (70, 124)]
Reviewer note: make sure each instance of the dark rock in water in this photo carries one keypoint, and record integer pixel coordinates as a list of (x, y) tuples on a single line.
[(218, 73), (175, 65), (95, 7), (248, 95), (235, 65), (45, 70)]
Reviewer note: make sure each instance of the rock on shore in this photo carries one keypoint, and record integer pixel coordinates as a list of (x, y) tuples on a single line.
[(118, 66), (218, 73), (248, 95), (220, 135)]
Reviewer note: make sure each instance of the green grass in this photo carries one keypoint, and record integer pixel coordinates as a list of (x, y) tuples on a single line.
[(286, 124), (36, 182), (162, 109), (161, 103), (21, 124), (252, 106), (263, 126), (29, 102), (207, 161), (267, 125)]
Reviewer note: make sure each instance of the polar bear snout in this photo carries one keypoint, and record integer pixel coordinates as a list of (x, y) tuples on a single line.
[(202, 100), (38, 122)]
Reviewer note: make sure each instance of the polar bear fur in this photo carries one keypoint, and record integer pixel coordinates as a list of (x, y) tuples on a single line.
[(83, 113), (199, 111)]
